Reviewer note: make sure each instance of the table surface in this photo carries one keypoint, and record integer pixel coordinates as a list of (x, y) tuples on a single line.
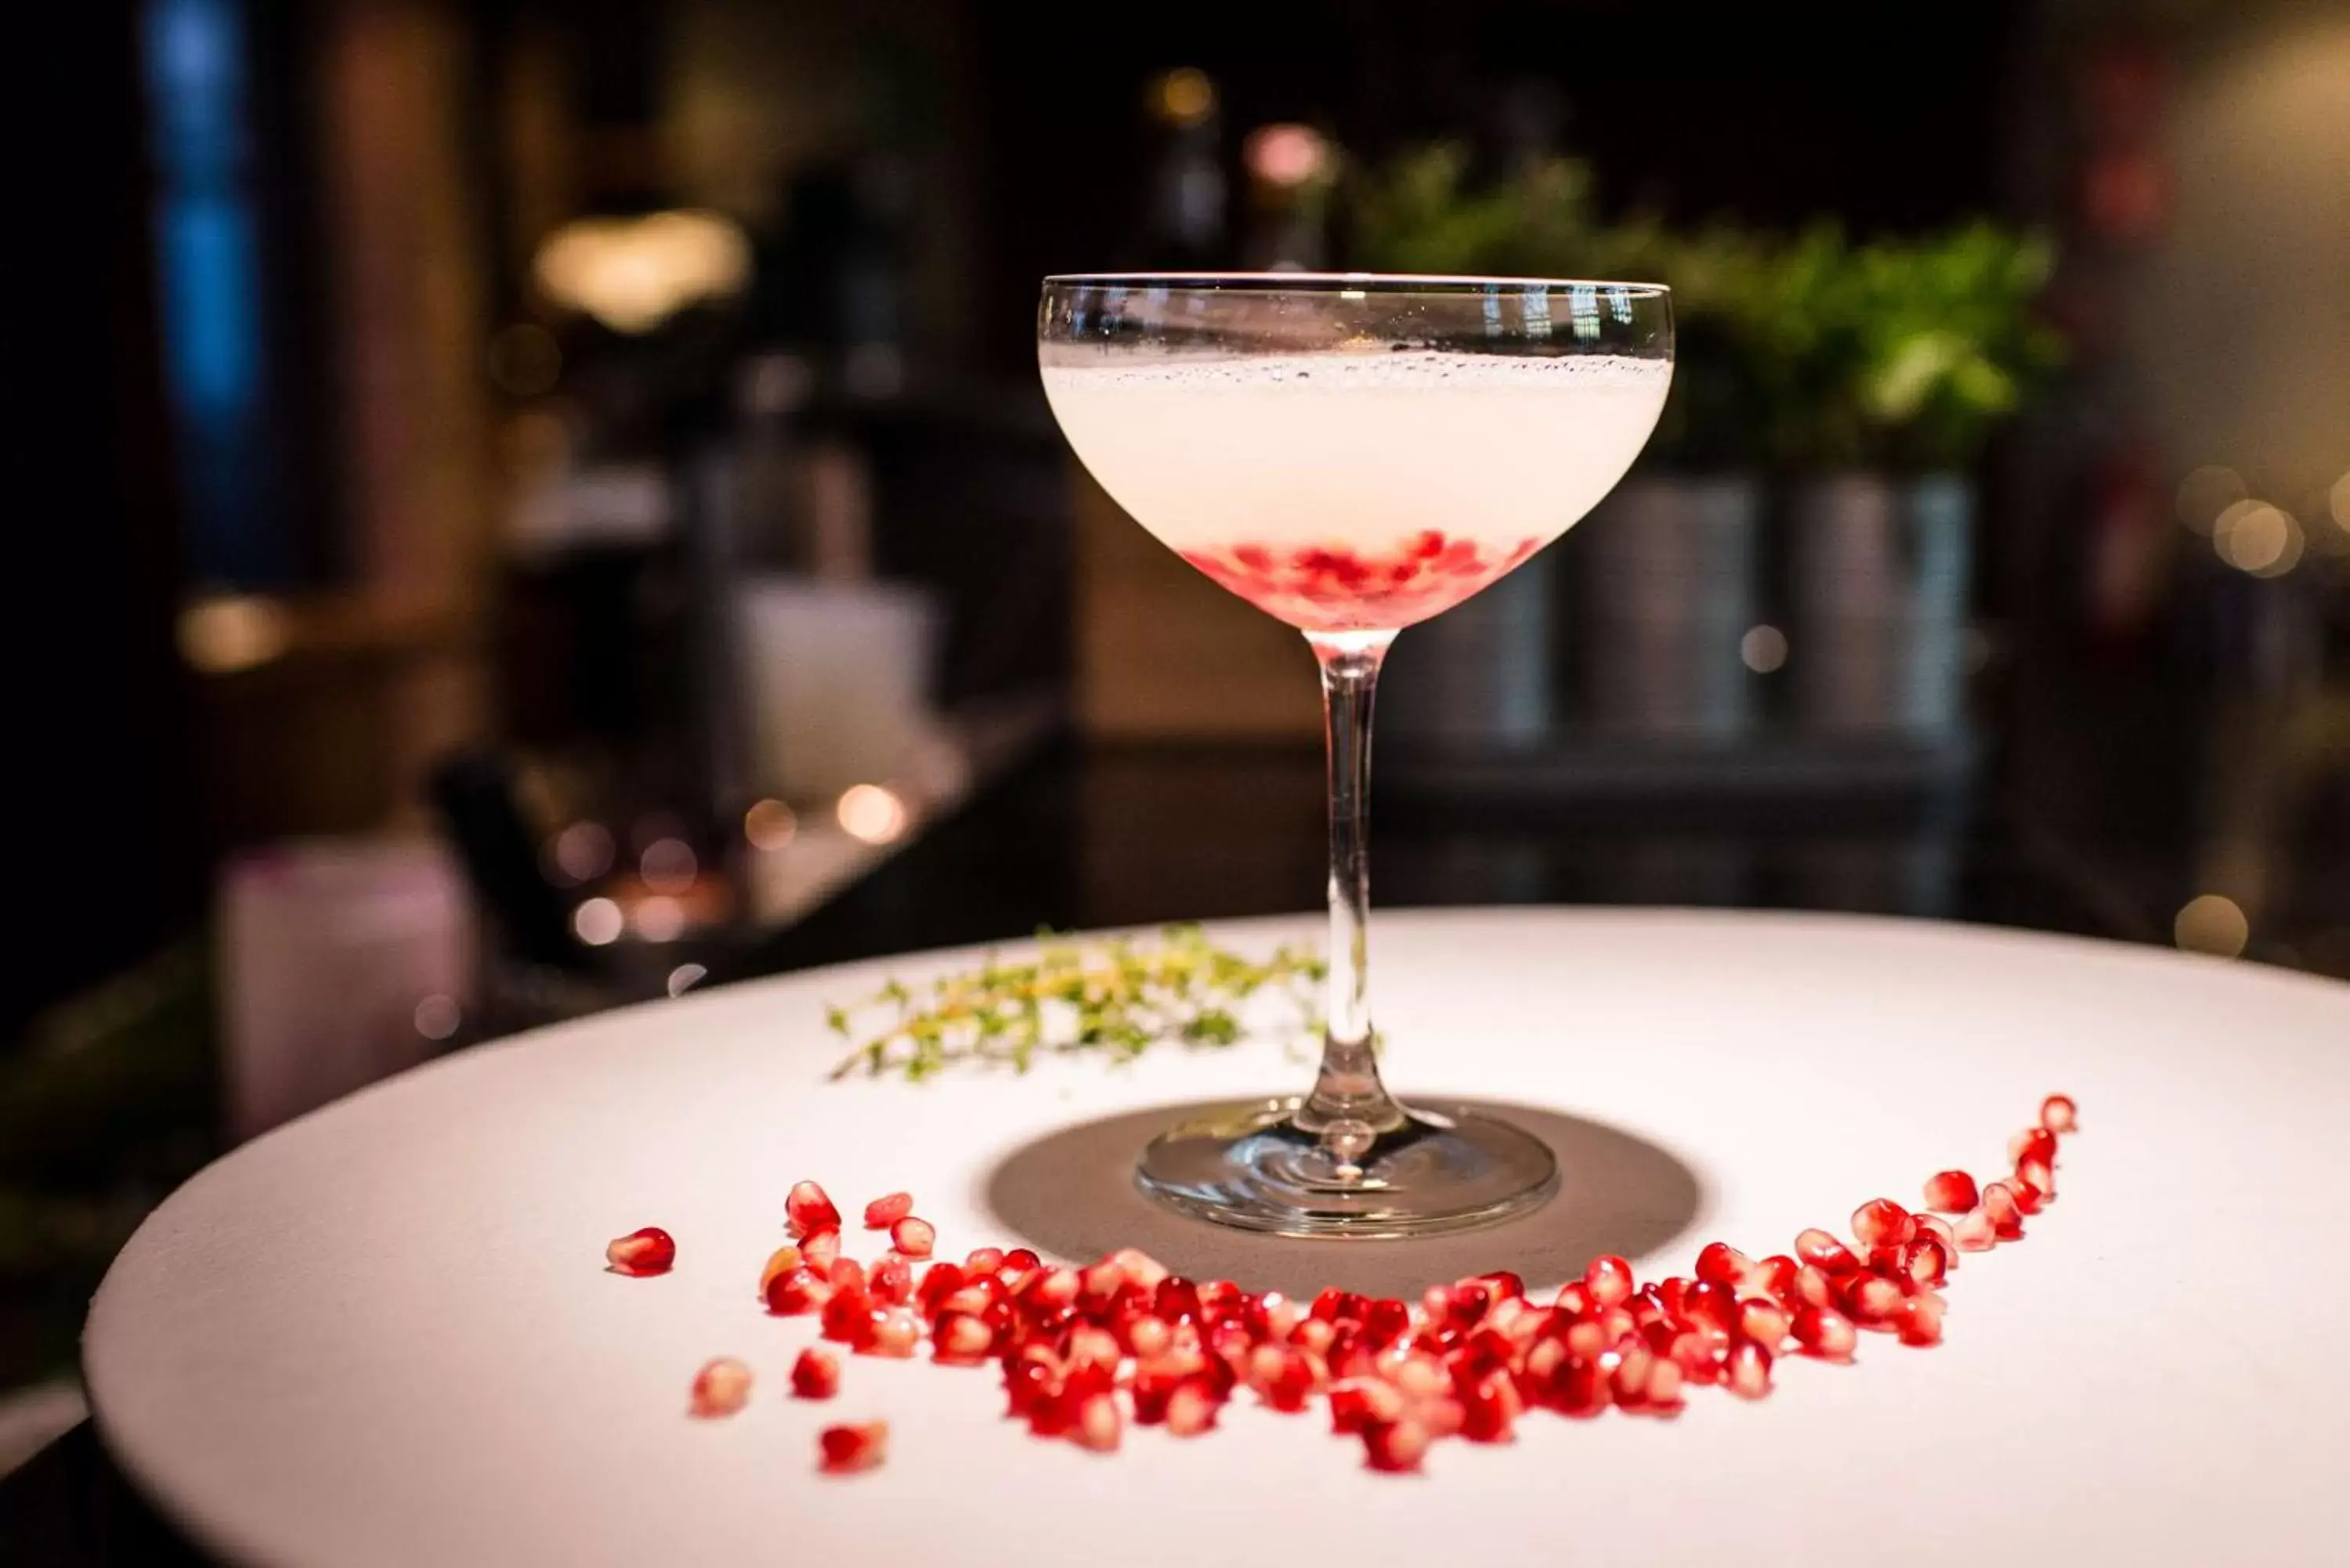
[(382, 1334)]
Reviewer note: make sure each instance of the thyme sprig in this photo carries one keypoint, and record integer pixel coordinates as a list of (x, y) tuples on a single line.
[(1119, 997)]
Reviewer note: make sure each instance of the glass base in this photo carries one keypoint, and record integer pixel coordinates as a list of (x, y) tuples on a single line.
[(1445, 1169)]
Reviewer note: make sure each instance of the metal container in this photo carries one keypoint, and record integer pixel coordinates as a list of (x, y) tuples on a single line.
[(1666, 570), (1879, 571), (1481, 677)]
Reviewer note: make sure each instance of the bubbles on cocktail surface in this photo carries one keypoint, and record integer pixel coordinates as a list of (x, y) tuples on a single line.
[(1351, 367)]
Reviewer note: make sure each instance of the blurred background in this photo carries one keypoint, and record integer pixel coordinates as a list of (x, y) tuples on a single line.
[(522, 507)]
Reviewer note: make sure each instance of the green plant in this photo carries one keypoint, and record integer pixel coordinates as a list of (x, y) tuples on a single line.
[(1804, 350), (1899, 354), (1116, 997)]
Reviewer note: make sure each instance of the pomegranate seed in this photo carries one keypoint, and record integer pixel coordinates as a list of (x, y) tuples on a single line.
[(721, 1388), (1394, 1445), (1815, 1286), (1098, 1425), (1282, 1378), (2039, 1174), (940, 1280), (1574, 1300), (2006, 1214), (1881, 1222), (1951, 1191), (1190, 1409), (884, 1212), (1919, 1320), (915, 1238), (808, 1209), (1711, 1305), (1871, 1300), (985, 1261), (892, 1281), (1764, 1322), (2029, 1200), (1663, 1391), (1148, 1337), (1020, 1260), (1358, 1403), (846, 1274), (1975, 1233), (2058, 1114), (1749, 1372), (1940, 1229), (848, 1319), (2032, 1142), (1721, 1265), (1774, 1277), (1609, 1281), (1825, 1333), (782, 1261), (845, 1451), (816, 1374), (963, 1338), (640, 1253), (1823, 1251), (1089, 1346), (1925, 1262), (896, 1333), (820, 1249), (798, 1291)]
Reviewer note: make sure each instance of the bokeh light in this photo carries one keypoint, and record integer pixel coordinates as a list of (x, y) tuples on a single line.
[(1286, 155), (437, 1017), (1764, 648), (659, 918), (633, 274), (2211, 923), (2257, 538), (667, 866), (870, 813), (1183, 96), (598, 922), (226, 633), (581, 853), (770, 825)]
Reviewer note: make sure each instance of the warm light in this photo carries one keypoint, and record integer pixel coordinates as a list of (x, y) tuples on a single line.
[(2256, 537), (1764, 648), (770, 825), (525, 359), (685, 977), (659, 920), (1183, 96), (437, 1017), (870, 813), (598, 922), (2212, 924), (581, 853), (1286, 155), (633, 274), (229, 632), (667, 866), (2207, 493)]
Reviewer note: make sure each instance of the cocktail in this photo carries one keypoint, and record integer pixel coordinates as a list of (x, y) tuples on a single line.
[(1352, 453)]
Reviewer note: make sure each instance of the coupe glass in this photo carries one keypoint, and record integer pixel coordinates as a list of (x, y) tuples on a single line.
[(1352, 453)]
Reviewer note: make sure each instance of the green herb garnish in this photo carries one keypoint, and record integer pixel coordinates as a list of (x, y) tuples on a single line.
[(1119, 996)]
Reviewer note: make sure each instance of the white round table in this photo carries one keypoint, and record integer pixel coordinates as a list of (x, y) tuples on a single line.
[(382, 1334)]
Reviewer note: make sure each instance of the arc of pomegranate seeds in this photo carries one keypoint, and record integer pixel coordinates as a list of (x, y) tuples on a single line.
[(1085, 1352)]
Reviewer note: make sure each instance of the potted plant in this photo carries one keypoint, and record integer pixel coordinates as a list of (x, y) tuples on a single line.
[(1883, 370)]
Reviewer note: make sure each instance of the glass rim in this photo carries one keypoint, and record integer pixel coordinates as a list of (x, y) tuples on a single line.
[(1341, 282)]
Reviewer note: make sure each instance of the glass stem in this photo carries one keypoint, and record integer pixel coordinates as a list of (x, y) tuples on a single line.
[(1350, 1107)]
